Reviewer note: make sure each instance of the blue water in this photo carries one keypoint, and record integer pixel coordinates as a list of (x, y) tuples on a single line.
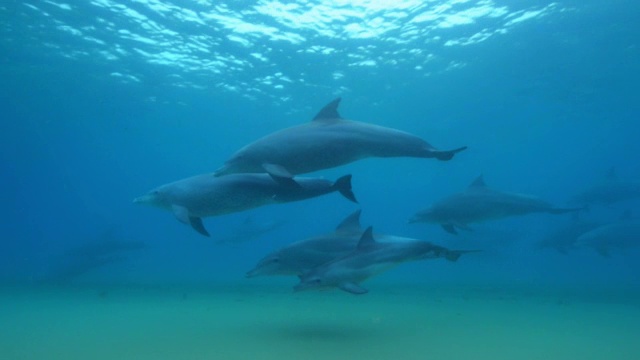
[(103, 100)]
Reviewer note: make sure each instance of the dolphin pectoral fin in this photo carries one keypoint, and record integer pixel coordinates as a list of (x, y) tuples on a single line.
[(181, 213), (445, 155), (353, 288), (196, 224), (280, 175), (284, 181), (277, 171), (449, 228)]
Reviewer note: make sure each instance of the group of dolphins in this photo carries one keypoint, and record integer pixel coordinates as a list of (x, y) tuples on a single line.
[(602, 236), (265, 172)]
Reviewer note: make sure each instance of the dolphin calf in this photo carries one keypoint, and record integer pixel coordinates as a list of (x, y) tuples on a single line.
[(370, 258), (327, 141), (301, 256), (481, 203), (623, 234), (200, 196), (608, 191)]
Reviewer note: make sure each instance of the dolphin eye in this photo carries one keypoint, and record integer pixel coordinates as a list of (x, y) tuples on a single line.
[(276, 260), (317, 281)]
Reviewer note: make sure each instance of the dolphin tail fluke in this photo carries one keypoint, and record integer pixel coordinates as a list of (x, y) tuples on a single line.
[(196, 224), (445, 155), (343, 185)]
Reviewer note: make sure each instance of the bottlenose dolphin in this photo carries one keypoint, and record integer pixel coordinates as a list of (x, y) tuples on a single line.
[(200, 196), (73, 268), (622, 235), (326, 142), (563, 238), (368, 259), (481, 203), (608, 191), (301, 256), (96, 253)]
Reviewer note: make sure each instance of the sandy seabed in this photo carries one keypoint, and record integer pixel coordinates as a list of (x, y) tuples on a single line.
[(226, 322)]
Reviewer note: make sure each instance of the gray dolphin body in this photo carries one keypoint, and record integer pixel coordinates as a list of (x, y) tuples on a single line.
[(200, 196), (608, 191), (302, 256), (326, 142), (369, 259), (564, 237), (621, 235), (480, 203)]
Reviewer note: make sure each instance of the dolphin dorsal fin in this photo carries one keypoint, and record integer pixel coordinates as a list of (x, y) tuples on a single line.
[(366, 239), (478, 182), (329, 111), (350, 223)]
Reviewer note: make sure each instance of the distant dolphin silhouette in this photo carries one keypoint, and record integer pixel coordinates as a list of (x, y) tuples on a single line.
[(481, 203), (608, 191), (326, 142), (200, 196), (623, 234), (563, 237), (249, 230), (94, 253)]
